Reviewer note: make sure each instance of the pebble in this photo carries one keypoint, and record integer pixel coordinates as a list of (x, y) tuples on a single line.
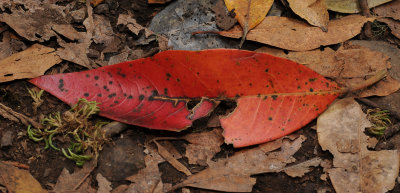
[(6, 139)]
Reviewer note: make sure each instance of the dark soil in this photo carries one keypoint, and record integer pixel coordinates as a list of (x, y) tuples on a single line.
[(46, 165)]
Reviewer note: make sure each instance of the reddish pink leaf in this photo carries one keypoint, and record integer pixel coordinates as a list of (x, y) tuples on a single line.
[(276, 96)]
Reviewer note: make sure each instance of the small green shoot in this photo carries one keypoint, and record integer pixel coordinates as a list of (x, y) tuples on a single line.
[(85, 139), (380, 120), (36, 96)]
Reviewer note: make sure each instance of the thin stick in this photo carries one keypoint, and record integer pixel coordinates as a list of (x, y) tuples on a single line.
[(376, 78)]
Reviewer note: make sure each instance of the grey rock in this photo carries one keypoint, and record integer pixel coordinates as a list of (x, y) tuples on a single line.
[(7, 138)]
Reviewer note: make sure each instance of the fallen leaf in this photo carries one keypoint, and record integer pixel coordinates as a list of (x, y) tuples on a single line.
[(314, 11), (157, 1), (391, 9), (77, 181), (36, 23), (394, 25), (292, 34), (76, 53), (147, 180), (170, 159), (103, 32), (29, 63), (223, 18), (155, 93), (300, 169), (18, 180), (203, 146), (132, 25), (349, 65), (96, 2), (9, 46), (103, 183), (249, 17), (233, 174), (355, 169), (351, 6)]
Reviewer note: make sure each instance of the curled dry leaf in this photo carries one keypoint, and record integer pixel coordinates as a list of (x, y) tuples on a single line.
[(233, 174), (29, 63), (292, 34), (355, 169), (349, 65), (314, 11), (351, 6), (249, 17), (300, 169), (78, 181), (18, 180)]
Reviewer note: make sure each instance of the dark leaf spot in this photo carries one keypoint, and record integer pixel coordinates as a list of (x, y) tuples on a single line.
[(86, 94), (274, 97), (96, 77), (141, 97)]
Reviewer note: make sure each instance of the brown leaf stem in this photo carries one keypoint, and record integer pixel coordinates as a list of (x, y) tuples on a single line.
[(376, 78)]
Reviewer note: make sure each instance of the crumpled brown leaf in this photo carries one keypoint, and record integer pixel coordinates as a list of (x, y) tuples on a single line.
[(348, 66), (292, 34), (301, 169), (103, 183), (29, 63), (18, 180), (77, 181), (314, 11), (40, 22), (233, 174), (391, 9), (132, 25), (355, 169)]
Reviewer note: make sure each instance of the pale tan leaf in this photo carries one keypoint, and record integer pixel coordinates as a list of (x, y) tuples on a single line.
[(170, 159), (300, 169), (292, 34), (132, 25), (314, 12), (391, 9), (68, 182), (18, 180), (103, 183), (147, 179), (355, 169), (348, 66), (351, 6), (233, 174), (29, 63)]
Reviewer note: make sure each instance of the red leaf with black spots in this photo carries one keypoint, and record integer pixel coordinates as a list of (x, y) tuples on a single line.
[(275, 96)]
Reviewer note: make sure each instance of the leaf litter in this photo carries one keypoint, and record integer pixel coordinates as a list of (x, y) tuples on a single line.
[(340, 130)]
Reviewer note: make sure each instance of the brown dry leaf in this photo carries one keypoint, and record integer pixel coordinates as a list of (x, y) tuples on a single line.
[(12, 115), (292, 34), (394, 25), (102, 32), (147, 180), (233, 174), (103, 183), (348, 66), (9, 45), (170, 159), (355, 169), (132, 25), (29, 63), (96, 2), (314, 12), (249, 17), (351, 6), (203, 146), (300, 169), (18, 180), (39, 22), (391, 9), (77, 181), (157, 1)]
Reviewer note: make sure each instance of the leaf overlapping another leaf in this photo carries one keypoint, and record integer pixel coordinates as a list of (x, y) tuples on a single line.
[(275, 96)]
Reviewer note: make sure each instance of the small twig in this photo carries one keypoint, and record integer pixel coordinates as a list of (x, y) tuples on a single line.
[(9, 113), (365, 11), (374, 79), (16, 164)]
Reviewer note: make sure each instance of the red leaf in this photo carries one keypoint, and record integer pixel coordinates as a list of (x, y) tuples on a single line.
[(276, 96)]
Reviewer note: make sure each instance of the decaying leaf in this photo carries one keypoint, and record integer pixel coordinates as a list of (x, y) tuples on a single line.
[(147, 180), (18, 180), (249, 13), (292, 34), (355, 169), (391, 9), (277, 96), (233, 174), (314, 11), (103, 183), (348, 66), (40, 22), (132, 25), (351, 6), (77, 181), (300, 169), (29, 63), (170, 159), (203, 146)]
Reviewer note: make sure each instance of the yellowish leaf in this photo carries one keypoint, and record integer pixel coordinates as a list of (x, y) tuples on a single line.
[(351, 6), (314, 11)]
